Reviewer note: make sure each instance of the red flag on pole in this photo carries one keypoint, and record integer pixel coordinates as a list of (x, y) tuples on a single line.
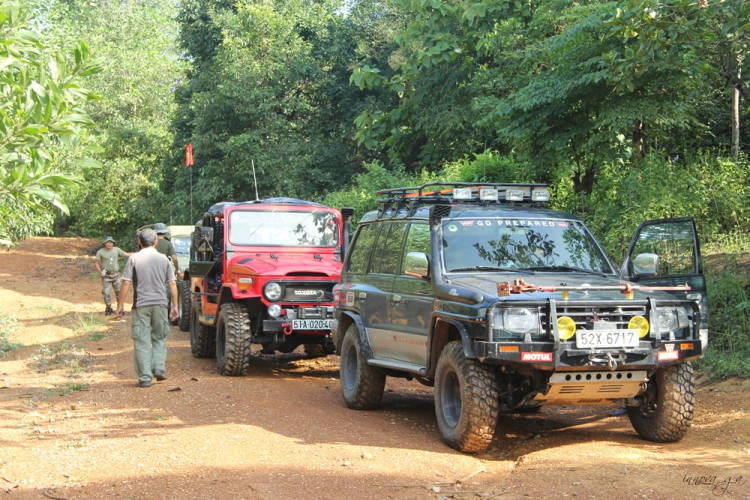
[(189, 155)]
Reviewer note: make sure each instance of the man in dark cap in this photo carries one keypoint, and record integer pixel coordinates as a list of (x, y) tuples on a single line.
[(108, 266), (164, 246)]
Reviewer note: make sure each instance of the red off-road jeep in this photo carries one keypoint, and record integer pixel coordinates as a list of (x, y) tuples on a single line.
[(263, 272)]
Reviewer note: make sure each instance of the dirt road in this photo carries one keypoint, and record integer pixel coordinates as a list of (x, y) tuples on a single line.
[(73, 426)]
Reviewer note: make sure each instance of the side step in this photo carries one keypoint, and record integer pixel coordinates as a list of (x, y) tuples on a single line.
[(402, 366), (593, 388)]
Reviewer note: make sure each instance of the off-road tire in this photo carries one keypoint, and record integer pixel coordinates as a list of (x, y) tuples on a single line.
[(466, 400), (362, 385), (668, 416), (314, 350), (184, 302), (233, 339), (202, 337)]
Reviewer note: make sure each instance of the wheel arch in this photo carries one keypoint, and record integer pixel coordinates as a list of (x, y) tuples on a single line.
[(443, 331), (349, 317)]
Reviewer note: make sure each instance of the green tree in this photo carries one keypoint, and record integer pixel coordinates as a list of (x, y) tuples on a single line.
[(138, 41), (43, 125)]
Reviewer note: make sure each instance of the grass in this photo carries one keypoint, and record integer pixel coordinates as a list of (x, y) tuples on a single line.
[(66, 354), (87, 323), (161, 417), (49, 308), (8, 326), (68, 388), (95, 337)]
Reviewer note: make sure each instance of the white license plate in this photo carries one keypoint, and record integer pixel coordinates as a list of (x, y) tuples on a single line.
[(311, 324), (607, 339)]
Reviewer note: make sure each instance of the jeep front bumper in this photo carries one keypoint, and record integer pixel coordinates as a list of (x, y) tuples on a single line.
[(543, 356)]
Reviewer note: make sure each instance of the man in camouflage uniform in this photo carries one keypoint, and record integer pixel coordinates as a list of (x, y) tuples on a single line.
[(108, 266)]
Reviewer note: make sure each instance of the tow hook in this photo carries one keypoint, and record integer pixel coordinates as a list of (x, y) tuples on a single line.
[(611, 360), (287, 327)]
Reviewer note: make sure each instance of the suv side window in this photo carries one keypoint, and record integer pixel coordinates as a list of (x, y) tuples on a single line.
[(418, 240), (377, 251), (392, 249), (360, 253)]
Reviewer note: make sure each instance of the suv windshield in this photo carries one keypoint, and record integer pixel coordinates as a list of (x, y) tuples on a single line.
[(520, 244), (317, 228)]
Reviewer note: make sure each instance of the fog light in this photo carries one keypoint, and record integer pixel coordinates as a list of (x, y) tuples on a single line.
[(566, 327), (245, 283), (639, 323), (274, 310)]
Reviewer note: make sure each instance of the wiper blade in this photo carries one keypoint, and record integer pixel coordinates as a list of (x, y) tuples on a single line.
[(491, 268), (568, 268)]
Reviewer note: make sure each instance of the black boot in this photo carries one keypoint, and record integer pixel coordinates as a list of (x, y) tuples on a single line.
[(108, 311)]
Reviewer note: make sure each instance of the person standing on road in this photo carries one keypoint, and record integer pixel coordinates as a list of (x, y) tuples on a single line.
[(164, 246), (149, 272), (108, 266)]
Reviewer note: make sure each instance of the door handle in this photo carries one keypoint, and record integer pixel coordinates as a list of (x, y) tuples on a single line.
[(396, 298)]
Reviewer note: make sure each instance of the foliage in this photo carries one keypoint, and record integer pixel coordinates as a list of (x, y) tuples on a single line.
[(8, 327), (362, 193), (729, 322), (43, 126), (140, 70)]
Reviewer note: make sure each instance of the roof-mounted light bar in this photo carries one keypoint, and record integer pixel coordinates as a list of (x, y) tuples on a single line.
[(465, 192)]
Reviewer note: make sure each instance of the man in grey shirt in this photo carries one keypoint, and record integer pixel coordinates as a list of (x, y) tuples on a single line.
[(149, 272)]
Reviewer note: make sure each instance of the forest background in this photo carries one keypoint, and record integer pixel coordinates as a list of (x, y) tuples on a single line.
[(630, 110)]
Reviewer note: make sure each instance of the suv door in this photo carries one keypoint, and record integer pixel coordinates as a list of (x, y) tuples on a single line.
[(410, 308), (380, 276), (355, 270), (672, 245)]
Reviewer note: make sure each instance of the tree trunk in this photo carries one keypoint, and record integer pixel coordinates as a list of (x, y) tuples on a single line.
[(736, 122), (638, 136)]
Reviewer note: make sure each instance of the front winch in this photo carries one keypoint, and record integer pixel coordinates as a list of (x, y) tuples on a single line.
[(607, 358)]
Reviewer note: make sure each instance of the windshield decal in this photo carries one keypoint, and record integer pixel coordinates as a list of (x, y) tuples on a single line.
[(467, 223)]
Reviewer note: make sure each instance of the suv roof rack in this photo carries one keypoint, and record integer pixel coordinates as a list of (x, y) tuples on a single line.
[(455, 193)]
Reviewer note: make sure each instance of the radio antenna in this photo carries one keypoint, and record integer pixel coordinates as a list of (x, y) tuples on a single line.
[(255, 180)]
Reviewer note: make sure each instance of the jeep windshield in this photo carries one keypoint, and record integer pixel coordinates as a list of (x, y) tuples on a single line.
[(541, 245), (282, 228)]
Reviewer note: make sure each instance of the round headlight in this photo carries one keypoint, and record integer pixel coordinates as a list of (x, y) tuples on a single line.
[(272, 291), (667, 319), (519, 320), (274, 310), (639, 323), (566, 327)]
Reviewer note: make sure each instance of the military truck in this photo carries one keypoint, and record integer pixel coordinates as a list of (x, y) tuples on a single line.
[(505, 306), (263, 272)]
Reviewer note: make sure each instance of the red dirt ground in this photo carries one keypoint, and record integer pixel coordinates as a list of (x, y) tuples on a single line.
[(73, 426)]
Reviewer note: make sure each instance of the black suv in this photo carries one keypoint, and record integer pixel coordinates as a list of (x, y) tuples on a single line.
[(505, 306)]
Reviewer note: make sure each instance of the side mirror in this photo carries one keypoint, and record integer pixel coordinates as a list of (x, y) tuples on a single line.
[(417, 264), (646, 264)]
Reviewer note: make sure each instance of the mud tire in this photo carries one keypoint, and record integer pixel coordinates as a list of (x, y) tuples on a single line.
[(362, 385), (184, 302), (314, 350), (202, 337), (233, 340), (668, 415), (466, 400)]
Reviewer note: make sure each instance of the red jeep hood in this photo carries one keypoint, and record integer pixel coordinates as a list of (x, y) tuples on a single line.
[(286, 263)]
